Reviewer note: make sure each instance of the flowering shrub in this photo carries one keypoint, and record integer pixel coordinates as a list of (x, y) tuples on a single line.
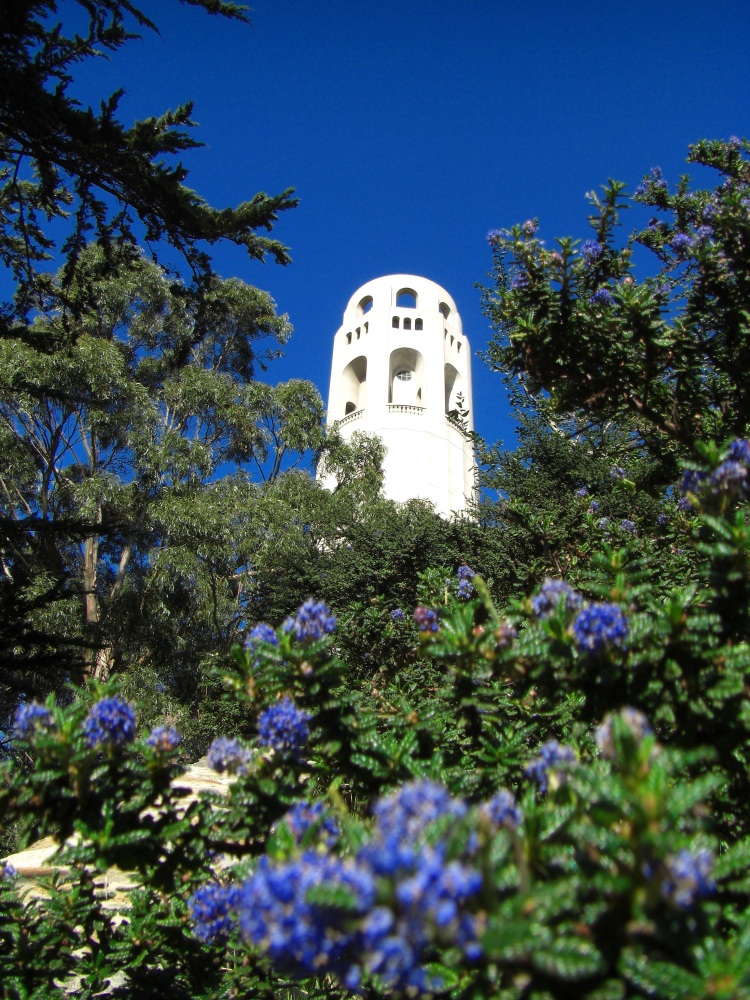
[(536, 796)]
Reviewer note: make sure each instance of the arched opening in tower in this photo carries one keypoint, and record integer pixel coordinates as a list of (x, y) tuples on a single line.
[(354, 386), (406, 376), (453, 389)]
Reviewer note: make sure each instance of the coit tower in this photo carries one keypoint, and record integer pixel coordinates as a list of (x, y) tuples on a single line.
[(401, 369)]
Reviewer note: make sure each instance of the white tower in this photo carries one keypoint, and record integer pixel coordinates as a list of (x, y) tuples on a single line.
[(401, 365)]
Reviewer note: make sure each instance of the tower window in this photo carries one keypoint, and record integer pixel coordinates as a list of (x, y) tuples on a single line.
[(394, 322), (458, 345), (406, 298), (417, 324), (365, 305), (348, 338), (445, 309), (357, 333), (407, 323)]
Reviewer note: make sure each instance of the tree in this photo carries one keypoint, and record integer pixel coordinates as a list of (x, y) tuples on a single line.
[(664, 356), (64, 164), (124, 452)]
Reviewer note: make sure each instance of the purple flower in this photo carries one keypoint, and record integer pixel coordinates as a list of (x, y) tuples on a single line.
[(32, 718), (739, 451), (688, 877), (260, 633), (616, 472), (545, 766), (227, 754), (601, 297), (279, 911), (494, 236), (519, 281), (530, 227), (503, 810), (283, 727), (594, 507), (583, 492), (691, 481), (504, 635), (591, 250), (110, 723), (213, 911), (304, 817), (729, 477), (637, 724), (164, 739), (703, 233), (603, 523), (312, 621), (682, 244), (629, 526), (426, 619), (600, 627), (465, 587), (8, 871), (398, 615), (551, 594)]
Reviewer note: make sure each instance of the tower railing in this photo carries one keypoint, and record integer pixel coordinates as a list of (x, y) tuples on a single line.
[(350, 417), (405, 408)]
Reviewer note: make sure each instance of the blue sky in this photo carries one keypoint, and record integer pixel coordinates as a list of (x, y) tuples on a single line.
[(411, 128)]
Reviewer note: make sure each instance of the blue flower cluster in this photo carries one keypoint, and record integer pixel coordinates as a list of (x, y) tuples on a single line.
[(278, 911), (592, 250), (652, 183), (228, 754), (629, 526), (600, 627), (283, 727), (519, 281), (503, 810), (688, 877), (213, 911), (305, 816), (380, 912), (32, 718), (8, 871), (601, 297), (312, 621), (426, 619), (110, 723), (637, 724), (465, 587), (551, 595), (583, 492), (398, 615), (260, 633), (616, 472), (682, 244), (544, 768), (164, 739)]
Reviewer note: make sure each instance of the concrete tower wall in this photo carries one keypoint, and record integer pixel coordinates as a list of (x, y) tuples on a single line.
[(400, 363)]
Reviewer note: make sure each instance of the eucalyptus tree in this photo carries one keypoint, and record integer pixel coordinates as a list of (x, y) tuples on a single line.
[(127, 449)]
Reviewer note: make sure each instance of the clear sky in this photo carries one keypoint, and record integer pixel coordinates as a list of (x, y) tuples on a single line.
[(409, 128)]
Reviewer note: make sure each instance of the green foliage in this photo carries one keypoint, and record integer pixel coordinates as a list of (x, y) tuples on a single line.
[(77, 170)]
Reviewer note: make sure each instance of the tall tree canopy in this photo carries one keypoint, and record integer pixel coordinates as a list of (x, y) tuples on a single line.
[(66, 168), (667, 354)]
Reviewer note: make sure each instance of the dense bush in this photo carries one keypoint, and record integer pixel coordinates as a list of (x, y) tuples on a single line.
[(551, 807)]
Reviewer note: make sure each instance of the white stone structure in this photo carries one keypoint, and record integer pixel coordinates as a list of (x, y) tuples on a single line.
[(401, 365)]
